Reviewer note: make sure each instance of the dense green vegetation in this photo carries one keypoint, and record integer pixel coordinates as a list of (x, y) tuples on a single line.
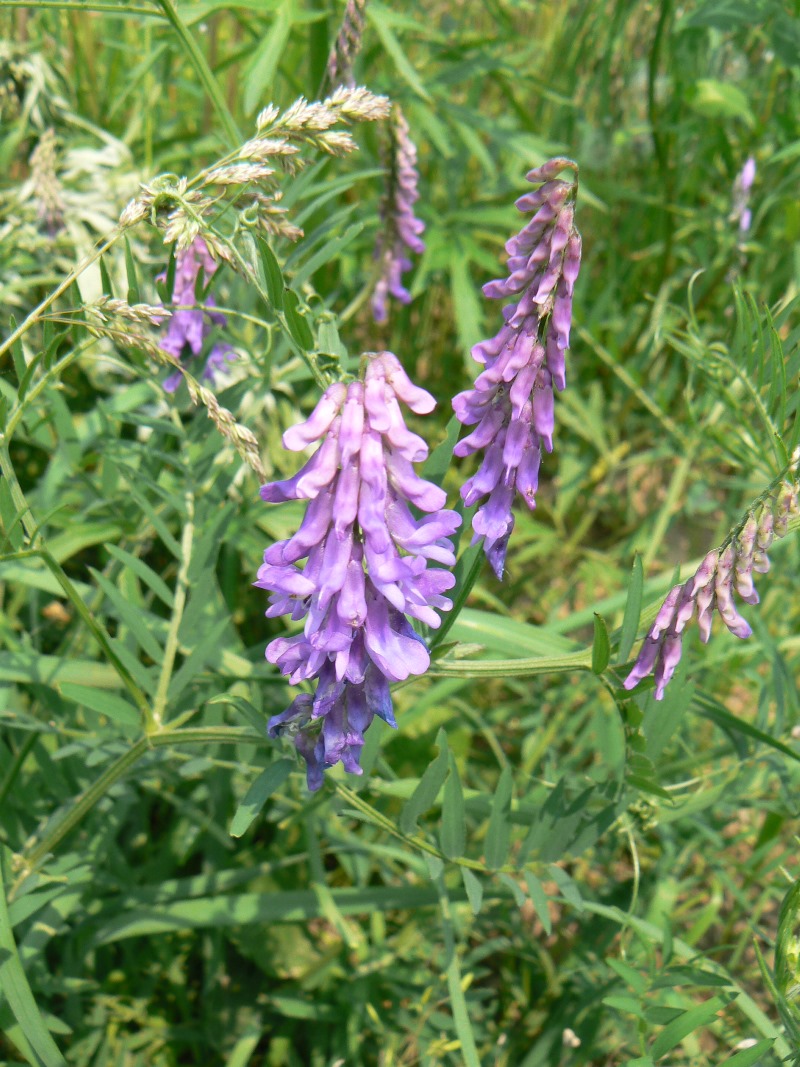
[(538, 868)]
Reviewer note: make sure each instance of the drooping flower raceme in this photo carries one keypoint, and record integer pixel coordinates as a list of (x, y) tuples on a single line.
[(189, 327), (400, 233), (722, 573), (367, 564), (512, 399)]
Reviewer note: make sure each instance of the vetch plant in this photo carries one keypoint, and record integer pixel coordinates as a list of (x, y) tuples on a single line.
[(527, 797)]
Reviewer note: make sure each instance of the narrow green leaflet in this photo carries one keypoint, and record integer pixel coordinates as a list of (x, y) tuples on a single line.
[(130, 615), (116, 708), (686, 1023), (143, 573), (16, 991), (438, 462), (601, 647), (539, 899), (130, 269), (474, 889), (426, 792), (273, 278), (633, 609), (461, 1018), (748, 1057), (298, 327), (498, 836), (257, 795), (453, 833), (377, 15), (260, 76)]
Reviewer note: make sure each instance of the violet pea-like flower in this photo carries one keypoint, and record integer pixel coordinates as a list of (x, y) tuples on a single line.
[(189, 327)]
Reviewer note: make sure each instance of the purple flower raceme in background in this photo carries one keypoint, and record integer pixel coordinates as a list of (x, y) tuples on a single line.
[(741, 196), (189, 327), (401, 229), (339, 70), (722, 573), (512, 399), (367, 564)]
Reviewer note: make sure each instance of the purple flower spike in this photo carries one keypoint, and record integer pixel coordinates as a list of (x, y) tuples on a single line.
[(711, 589), (401, 229), (512, 402), (189, 327), (367, 564)]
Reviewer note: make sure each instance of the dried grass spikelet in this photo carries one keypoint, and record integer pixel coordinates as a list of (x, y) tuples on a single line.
[(118, 321), (180, 206)]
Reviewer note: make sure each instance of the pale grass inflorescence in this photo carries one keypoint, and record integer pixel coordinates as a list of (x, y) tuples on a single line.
[(181, 207)]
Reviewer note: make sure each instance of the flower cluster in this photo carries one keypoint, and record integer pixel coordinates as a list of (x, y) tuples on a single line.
[(741, 212), (401, 228), (190, 325), (722, 573), (512, 400), (366, 568), (347, 45)]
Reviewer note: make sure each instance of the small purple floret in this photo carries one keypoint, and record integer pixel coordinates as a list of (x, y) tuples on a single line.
[(189, 327)]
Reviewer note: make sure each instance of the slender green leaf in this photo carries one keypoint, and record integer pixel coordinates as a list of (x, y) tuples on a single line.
[(17, 992), (601, 647), (498, 836), (633, 610), (474, 889), (539, 899), (424, 796), (686, 1023), (109, 704), (453, 833), (257, 795)]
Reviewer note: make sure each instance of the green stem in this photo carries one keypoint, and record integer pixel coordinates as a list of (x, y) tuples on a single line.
[(512, 668), (94, 627), (17, 412), (17, 495), (203, 71), (65, 5), (14, 769), (171, 647), (86, 801), (75, 273)]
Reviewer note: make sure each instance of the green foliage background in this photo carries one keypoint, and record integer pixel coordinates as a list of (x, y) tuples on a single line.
[(537, 869)]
